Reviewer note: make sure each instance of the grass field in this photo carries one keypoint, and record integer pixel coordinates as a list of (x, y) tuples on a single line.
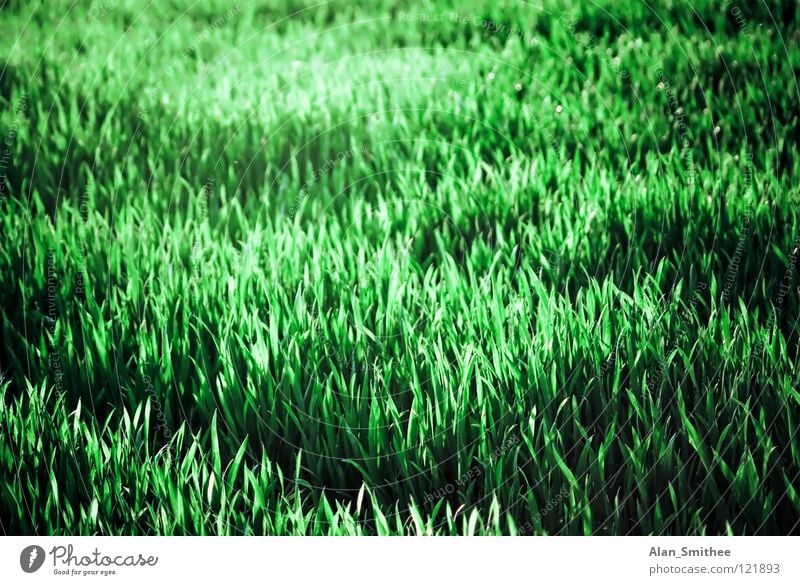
[(425, 267)]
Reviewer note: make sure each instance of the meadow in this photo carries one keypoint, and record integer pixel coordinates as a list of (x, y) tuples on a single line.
[(334, 268)]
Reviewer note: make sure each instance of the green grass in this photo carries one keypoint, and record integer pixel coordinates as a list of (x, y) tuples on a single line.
[(280, 268)]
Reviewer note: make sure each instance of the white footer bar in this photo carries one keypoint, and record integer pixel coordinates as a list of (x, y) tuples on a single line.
[(351, 561)]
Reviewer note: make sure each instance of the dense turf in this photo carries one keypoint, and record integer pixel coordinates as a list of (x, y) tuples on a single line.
[(473, 267)]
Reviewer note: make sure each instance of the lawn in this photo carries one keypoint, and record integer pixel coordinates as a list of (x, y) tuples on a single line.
[(428, 267)]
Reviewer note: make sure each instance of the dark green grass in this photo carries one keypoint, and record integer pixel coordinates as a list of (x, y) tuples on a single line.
[(293, 269)]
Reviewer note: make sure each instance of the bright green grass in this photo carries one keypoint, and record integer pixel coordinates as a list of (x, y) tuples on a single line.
[(517, 301)]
